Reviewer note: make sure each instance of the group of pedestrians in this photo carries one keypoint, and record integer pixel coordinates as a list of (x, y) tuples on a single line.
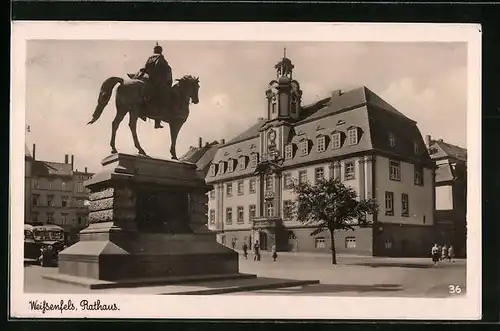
[(256, 251), (442, 253)]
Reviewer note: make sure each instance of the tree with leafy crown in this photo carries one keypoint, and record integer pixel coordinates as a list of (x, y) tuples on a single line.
[(329, 205)]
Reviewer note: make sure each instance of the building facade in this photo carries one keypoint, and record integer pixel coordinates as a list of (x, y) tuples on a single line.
[(55, 195), (354, 136), (451, 194)]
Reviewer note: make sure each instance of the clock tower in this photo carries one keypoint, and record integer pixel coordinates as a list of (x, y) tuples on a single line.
[(284, 93)]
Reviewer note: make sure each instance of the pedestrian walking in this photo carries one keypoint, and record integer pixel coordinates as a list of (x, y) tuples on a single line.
[(233, 243), (245, 250), (273, 252), (444, 253), (435, 253), (451, 254), (256, 251)]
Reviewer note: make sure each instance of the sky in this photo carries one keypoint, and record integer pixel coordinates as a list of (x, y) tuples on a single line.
[(425, 81)]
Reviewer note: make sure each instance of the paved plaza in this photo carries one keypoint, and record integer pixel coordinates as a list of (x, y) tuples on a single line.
[(352, 276)]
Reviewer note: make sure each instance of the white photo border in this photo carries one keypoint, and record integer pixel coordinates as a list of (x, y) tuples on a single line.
[(467, 307)]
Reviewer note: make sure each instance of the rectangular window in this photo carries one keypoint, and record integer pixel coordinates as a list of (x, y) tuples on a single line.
[(241, 215), (321, 142), (254, 160), (336, 140), (229, 189), (349, 171), (273, 108), (303, 176), (405, 205), (34, 217), (50, 200), (213, 170), (352, 136), (319, 242), (252, 211), (35, 183), (64, 219), (50, 185), (230, 166), (240, 187), (269, 183), (392, 140), (288, 152), (212, 194), (79, 187), (252, 186), (212, 216), (319, 174), (34, 199), (64, 201), (389, 203), (229, 215), (50, 218), (287, 181), (415, 148), (270, 209), (350, 242), (287, 209), (242, 163), (419, 175), (304, 147), (394, 170)]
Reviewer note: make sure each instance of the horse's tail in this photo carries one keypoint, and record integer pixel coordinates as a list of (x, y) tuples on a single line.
[(104, 96)]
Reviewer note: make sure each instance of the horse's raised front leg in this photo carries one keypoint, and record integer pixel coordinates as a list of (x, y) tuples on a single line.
[(133, 128), (120, 114), (175, 127)]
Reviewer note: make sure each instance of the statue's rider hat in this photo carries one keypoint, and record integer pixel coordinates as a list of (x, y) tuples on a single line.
[(158, 49)]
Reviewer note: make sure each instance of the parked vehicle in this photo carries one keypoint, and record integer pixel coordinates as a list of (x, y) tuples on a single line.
[(43, 243)]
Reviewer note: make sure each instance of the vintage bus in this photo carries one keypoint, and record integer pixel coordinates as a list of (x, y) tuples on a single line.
[(42, 243)]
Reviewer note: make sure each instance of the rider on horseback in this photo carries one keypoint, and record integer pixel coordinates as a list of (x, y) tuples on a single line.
[(159, 80)]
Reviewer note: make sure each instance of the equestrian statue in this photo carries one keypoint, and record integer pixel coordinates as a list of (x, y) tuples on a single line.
[(149, 94)]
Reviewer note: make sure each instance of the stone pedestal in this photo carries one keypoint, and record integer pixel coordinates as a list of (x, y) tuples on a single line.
[(147, 220)]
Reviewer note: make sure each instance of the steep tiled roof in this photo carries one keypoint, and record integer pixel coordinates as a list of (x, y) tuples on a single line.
[(360, 108), (44, 168), (252, 132), (440, 149)]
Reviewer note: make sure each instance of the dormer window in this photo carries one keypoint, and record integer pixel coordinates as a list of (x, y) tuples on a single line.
[(221, 167), (352, 136), (289, 152), (230, 165), (254, 159), (392, 139), (242, 163), (304, 147), (213, 170), (336, 140), (321, 144)]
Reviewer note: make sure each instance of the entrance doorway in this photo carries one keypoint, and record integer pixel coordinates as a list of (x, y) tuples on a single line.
[(263, 241)]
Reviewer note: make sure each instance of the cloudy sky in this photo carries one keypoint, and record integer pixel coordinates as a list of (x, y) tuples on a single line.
[(425, 81)]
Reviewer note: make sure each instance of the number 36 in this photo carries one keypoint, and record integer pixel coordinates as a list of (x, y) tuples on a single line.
[(455, 289)]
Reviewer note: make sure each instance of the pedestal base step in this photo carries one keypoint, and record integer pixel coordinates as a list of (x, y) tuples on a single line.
[(237, 285), (96, 284)]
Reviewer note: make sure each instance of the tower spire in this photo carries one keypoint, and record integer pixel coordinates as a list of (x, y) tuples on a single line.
[(284, 52)]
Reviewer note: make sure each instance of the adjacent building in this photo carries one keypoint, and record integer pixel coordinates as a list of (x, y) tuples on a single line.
[(55, 194), (354, 136), (451, 193)]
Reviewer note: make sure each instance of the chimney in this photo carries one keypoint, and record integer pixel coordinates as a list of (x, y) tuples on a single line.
[(428, 140), (223, 141), (200, 142), (72, 161), (66, 158), (34, 151), (85, 169), (336, 93)]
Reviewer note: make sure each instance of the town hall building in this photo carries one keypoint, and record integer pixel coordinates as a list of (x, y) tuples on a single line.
[(354, 136)]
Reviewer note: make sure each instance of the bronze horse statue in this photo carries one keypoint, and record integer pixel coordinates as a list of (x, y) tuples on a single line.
[(129, 99)]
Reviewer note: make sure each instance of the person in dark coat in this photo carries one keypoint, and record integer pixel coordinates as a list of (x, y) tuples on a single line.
[(256, 251), (245, 250)]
